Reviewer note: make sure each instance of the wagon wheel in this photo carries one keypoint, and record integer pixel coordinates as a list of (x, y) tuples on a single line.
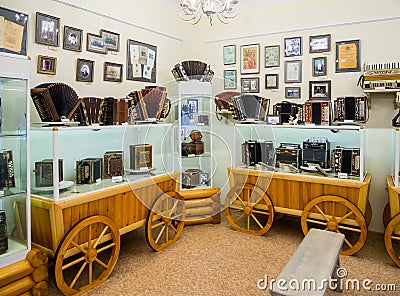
[(87, 255), (386, 215), (334, 213), (249, 209), (165, 220), (368, 213), (392, 239)]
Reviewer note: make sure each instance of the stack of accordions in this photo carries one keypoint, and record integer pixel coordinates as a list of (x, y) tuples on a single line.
[(192, 70)]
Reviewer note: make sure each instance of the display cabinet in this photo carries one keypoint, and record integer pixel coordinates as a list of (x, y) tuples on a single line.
[(14, 159)]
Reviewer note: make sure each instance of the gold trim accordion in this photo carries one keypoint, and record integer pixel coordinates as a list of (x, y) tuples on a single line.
[(317, 112), (352, 109), (346, 160), (113, 164), (7, 178), (88, 170), (44, 172)]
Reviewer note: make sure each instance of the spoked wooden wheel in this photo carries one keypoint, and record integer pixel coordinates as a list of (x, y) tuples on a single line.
[(334, 213), (386, 215), (87, 255), (165, 221), (249, 209), (392, 239)]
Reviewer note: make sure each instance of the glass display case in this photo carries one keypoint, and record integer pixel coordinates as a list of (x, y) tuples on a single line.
[(14, 159)]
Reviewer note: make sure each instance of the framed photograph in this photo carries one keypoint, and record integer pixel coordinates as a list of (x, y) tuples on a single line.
[(95, 43), (203, 179), (47, 65), (229, 54), (319, 66), (320, 43), (273, 119), (250, 59), (47, 29), (111, 40), (72, 38), (230, 79), (112, 72), (16, 31), (292, 92), (293, 47), (320, 90), (348, 56), (271, 81), (141, 61), (293, 71), (193, 105), (250, 85), (271, 54), (84, 70)]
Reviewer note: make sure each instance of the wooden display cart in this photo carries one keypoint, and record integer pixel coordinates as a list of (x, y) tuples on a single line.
[(392, 231), (82, 233), (327, 203)]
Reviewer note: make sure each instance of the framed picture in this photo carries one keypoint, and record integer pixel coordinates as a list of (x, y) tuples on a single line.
[(47, 29), (229, 54), (320, 90), (293, 71), (230, 79), (273, 119), (292, 92), (193, 105), (112, 72), (293, 47), (111, 40), (203, 179), (271, 81), (141, 61), (271, 54), (84, 70), (319, 66), (47, 65), (320, 43), (16, 30), (72, 38), (250, 59), (95, 43), (348, 56), (250, 85)]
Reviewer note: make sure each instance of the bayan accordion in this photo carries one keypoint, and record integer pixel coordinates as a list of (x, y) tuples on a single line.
[(251, 107), (7, 179), (316, 151), (192, 70), (286, 109), (254, 152), (317, 112), (288, 153), (346, 160), (350, 109), (141, 156), (113, 164), (44, 172), (3, 233), (88, 170)]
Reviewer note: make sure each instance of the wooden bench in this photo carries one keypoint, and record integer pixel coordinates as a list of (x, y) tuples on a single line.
[(315, 261)]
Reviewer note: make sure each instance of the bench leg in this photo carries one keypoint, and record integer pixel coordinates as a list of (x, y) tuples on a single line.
[(338, 280)]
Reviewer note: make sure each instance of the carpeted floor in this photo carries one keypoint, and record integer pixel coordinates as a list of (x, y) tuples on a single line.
[(215, 260)]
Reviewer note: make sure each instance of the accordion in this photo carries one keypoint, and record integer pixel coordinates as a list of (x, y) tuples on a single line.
[(346, 160), (317, 112), (7, 179), (191, 178), (113, 164), (92, 110), (286, 109), (251, 107), (380, 76), (88, 170), (3, 233), (316, 151), (350, 109), (115, 111), (254, 152), (223, 101), (288, 153), (192, 70), (44, 172), (141, 156)]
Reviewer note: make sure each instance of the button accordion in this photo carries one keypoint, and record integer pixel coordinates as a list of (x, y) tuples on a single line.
[(88, 170), (317, 112), (251, 107), (350, 109), (316, 151), (254, 152), (286, 110), (288, 153), (113, 164), (346, 160), (44, 172), (7, 178)]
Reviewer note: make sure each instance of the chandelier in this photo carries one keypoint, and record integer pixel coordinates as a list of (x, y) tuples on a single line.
[(192, 10)]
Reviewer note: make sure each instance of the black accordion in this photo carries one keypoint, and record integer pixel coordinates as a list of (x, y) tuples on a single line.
[(254, 152), (92, 110), (113, 164), (7, 179), (251, 107), (316, 151), (317, 112), (88, 170), (115, 111), (287, 110), (3, 233), (288, 153), (346, 160), (141, 156), (351, 109), (192, 70), (44, 172)]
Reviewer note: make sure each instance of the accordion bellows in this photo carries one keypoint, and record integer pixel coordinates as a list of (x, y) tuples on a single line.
[(224, 100), (92, 110), (192, 70), (251, 107)]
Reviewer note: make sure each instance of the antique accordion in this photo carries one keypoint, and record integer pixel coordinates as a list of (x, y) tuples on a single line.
[(115, 111), (251, 107), (317, 112), (191, 178), (92, 110), (3, 233), (286, 109), (350, 109), (254, 152), (192, 70), (288, 153), (346, 160), (113, 164), (88, 170), (44, 172), (7, 179), (380, 76), (316, 151), (141, 156)]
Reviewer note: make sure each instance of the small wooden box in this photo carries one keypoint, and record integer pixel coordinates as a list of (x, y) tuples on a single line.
[(141, 156), (88, 170), (44, 172)]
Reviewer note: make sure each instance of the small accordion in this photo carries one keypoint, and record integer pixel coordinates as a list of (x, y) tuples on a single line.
[(316, 151), (44, 172), (191, 178), (287, 110), (113, 164), (288, 153), (3, 232), (192, 70), (254, 152), (141, 156), (317, 112), (251, 107), (115, 111), (92, 110), (88, 170), (346, 160), (350, 109), (7, 179)]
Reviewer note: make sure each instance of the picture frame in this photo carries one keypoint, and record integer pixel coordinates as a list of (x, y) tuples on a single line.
[(293, 46), (320, 90), (95, 43), (141, 61), (293, 70), (230, 79), (47, 65), (273, 119), (271, 81), (193, 105), (84, 70), (250, 85), (229, 54), (271, 56), (320, 43), (72, 39), (17, 29), (112, 72), (203, 179), (111, 40), (292, 92), (348, 56), (47, 29), (250, 59), (319, 66)]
